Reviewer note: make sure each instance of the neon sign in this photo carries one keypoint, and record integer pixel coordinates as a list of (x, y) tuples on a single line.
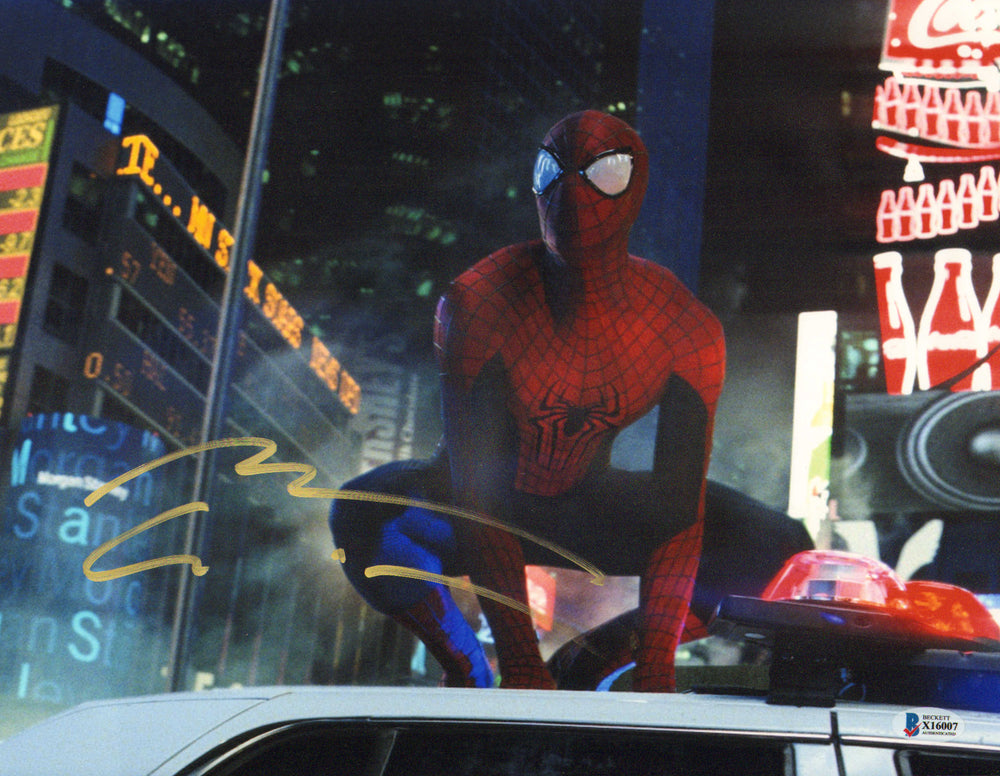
[(944, 100), (949, 344), (25, 146), (905, 214), (949, 115), (943, 38), (140, 161)]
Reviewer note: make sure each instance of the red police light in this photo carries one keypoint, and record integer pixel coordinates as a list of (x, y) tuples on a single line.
[(837, 577), (843, 578), (952, 610)]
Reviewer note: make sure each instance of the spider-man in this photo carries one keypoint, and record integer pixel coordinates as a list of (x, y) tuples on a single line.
[(547, 350)]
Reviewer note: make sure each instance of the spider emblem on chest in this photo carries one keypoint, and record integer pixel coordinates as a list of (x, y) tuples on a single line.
[(564, 430)]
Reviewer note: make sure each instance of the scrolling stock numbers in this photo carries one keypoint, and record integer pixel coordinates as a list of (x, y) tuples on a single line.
[(122, 380), (12, 246), (207, 232), (140, 160), (21, 199), (131, 269)]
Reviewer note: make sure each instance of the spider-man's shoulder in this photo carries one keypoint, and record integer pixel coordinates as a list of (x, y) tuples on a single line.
[(503, 265), (658, 287), (656, 278), (502, 277), (658, 284)]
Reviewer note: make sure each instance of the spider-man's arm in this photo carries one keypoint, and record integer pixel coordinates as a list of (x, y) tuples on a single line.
[(687, 409), (681, 451), (680, 463), (477, 428), (687, 406), (480, 439)]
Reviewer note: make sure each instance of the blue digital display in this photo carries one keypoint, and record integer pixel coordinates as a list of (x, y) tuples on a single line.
[(114, 113), (65, 638)]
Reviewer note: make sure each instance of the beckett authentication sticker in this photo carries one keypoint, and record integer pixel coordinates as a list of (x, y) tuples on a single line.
[(928, 723)]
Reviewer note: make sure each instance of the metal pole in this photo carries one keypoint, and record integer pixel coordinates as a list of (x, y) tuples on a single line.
[(247, 207)]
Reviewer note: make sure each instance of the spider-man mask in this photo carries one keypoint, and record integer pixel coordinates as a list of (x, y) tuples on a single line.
[(590, 177)]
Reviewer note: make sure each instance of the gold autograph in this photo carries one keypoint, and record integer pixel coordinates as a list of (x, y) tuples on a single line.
[(256, 464)]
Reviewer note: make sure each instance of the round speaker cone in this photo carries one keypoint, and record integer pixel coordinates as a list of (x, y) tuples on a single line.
[(950, 451)]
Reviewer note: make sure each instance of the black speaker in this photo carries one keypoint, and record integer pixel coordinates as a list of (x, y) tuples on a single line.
[(927, 452)]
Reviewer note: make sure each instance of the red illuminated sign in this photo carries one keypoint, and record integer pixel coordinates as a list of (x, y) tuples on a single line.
[(948, 345), (943, 38), (932, 211), (25, 146), (943, 103), (959, 118), (541, 596)]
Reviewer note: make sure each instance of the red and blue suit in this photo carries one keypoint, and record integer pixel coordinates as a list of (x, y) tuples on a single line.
[(547, 349)]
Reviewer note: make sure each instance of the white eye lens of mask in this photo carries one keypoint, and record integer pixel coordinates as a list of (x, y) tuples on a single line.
[(610, 174), (547, 169)]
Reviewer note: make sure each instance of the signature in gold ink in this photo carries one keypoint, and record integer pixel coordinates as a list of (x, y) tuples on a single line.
[(256, 464)]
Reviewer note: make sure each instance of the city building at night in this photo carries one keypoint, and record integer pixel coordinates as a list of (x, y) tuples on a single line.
[(121, 298), (118, 189)]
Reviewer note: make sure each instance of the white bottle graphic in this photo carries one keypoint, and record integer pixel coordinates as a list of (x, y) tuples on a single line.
[(951, 337), (969, 202), (989, 194), (991, 323), (925, 216), (899, 335)]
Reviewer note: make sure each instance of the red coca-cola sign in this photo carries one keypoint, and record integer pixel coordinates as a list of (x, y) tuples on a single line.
[(945, 38)]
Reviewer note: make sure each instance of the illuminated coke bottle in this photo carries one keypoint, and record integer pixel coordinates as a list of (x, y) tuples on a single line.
[(969, 202), (989, 194), (991, 323), (951, 337), (956, 120), (899, 336)]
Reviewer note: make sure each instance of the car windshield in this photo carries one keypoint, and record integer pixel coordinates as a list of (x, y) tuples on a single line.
[(500, 344)]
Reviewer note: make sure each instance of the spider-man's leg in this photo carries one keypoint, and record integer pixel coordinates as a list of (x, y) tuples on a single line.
[(499, 567), (664, 596), (438, 622), (371, 533)]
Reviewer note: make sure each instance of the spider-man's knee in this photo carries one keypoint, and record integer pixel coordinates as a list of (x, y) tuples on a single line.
[(378, 533)]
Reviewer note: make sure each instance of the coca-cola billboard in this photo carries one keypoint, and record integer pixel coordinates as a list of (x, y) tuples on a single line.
[(943, 38), (940, 112)]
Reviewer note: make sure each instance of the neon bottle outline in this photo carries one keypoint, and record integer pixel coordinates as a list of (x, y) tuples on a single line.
[(899, 336), (991, 323), (951, 336)]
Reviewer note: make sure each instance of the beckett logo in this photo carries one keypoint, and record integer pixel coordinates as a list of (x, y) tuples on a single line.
[(937, 723)]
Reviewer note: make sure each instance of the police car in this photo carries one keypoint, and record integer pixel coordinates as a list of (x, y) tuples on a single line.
[(867, 676)]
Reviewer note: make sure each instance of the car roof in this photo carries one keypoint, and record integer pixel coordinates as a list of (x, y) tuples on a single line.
[(163, 733)]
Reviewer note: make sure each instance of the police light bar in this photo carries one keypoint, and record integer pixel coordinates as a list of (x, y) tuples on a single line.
[(833, 619), (830, 594), (827, 576)]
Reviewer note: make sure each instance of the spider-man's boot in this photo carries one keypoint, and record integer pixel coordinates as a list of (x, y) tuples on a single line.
[(438, 622)]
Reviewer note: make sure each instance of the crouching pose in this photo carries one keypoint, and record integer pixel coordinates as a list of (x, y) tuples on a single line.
[(547, 350)]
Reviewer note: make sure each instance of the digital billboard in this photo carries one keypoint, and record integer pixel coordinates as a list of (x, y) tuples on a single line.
[(141, 159), (63, 637), (25, 146), (939, 113)]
